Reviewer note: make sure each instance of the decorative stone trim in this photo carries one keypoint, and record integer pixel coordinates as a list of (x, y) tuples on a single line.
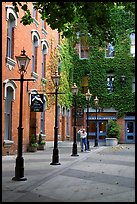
[(36, 22), (7, 143), (44, 31), (10, 63), (34, 75)]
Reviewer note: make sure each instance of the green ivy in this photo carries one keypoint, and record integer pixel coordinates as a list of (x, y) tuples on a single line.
[(97, 67)]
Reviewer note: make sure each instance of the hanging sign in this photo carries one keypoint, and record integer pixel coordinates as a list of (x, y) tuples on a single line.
[(37, 103)]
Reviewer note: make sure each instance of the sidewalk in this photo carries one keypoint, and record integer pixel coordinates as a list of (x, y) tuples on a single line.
[(105, 174)]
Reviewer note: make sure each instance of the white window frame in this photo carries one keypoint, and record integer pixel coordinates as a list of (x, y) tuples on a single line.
[(11, 23), (111, 53), (132, 45), (110, 76)]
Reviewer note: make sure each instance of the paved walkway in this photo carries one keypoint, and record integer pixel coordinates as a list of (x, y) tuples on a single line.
[(105, 174)]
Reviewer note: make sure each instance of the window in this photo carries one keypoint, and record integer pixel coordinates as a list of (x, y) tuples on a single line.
[(35, 15), (132, 48), (84, 84), (44, 53), (42, 122), (11, 24), (34, 55), (44, 27), (83, 48), (35, 44), (110, 50), (133, 84), (110, 83)]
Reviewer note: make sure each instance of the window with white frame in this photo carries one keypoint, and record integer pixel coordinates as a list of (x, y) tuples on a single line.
[(35, 44), (132, 47), (83, 48), (35, 15), (110, 82), (11, 17), (44, 53), (110, 51)]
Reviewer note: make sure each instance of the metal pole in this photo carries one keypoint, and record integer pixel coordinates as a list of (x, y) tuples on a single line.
[(19, 169), (96, 139), (88, 126), (55, 156), (74, 149)]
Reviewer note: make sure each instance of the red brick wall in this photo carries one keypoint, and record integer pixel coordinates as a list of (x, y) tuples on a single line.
[(121, 123), (23, 39)]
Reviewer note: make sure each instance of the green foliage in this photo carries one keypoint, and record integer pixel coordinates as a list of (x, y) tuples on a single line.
[(71, 17), (33, 141), (113, 129), (97, 67), (40, 141)]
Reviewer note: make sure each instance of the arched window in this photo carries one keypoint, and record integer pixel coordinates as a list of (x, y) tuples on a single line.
[(44, 53), (35, 44), (9, 96), (11, 24)]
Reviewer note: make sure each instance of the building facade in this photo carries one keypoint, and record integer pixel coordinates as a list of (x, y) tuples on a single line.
[(107, 69), (40, 43)]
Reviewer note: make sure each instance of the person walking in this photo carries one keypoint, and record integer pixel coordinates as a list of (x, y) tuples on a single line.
[(83, 135)]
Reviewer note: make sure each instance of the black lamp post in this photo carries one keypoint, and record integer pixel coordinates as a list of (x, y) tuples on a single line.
[(74, 149), (96, 100), (23, 61), (55, 156), (88, 97)]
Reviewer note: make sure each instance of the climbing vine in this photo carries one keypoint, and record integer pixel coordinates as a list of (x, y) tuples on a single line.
[(96, 67)]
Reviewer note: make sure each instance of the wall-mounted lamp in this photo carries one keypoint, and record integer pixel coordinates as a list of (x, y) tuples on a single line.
[(122, 79)]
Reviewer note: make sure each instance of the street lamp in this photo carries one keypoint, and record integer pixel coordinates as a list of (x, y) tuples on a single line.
[(22, 61), (74, 149), (55, 157), (96, 100), (88, 97)]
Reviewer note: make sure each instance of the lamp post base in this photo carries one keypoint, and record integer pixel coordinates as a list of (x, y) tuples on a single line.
[(55, 157), (19, 170), (96, 143), (74, 150), (88, 147)]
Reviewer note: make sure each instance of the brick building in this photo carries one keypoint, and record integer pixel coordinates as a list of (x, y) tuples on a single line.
[(40, 43)]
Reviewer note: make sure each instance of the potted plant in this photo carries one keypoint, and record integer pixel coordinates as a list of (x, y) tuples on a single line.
[(33, 144), (41, 143), (113, 133)]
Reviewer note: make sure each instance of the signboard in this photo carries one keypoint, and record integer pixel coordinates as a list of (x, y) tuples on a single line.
[(37, 103)]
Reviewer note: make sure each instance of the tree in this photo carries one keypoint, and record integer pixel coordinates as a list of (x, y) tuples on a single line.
[(72, 17)]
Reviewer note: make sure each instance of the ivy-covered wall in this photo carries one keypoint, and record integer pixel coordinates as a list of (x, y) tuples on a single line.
[(97, 67)]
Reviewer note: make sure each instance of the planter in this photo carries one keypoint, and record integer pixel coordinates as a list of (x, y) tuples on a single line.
[(111, 141), (32, 149), (41, 147)]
